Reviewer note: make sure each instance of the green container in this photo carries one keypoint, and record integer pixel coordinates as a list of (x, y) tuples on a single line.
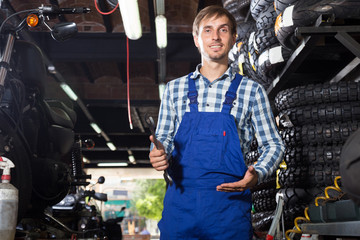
[(347, 210)]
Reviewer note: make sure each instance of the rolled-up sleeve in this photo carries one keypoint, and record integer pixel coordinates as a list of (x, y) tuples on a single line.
[(166, 121), (270, 144)]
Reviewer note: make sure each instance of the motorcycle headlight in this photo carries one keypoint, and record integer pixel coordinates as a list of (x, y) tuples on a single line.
[(69, 200)]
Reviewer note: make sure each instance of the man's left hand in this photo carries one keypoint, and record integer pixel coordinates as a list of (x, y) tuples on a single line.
[(250, 179)]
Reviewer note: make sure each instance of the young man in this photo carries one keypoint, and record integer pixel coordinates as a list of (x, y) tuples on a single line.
[(206, 123)]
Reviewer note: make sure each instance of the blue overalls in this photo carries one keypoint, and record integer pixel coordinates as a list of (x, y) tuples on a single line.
[(207, 153)]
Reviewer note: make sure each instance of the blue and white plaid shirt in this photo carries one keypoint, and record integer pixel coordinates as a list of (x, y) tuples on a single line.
[(251, 110)]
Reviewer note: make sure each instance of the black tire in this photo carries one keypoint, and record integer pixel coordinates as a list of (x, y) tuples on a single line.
[(323, 113), (258, 6), (264, 39), (299, 196), (254, 144), (294, 177), (243, 28), (317, 93), (251, 62), (336, 132), (261, 221), (322, 155), (238, 8), (300, 16), (272, 60), (306, 12), (264, 204), (280, 5), (291, 136), (266, 18), (292, 213), (265, 193), (318, 134), (251, 157), (248, 64), (323, 175), (234, 57), (284, 34), (293, 157), (267, 184)]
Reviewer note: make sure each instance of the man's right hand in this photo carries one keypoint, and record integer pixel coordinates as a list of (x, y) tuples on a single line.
[(158, 157)]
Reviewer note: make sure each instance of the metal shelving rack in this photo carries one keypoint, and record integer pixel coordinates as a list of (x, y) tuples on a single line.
[(311, 36), (346, 229)]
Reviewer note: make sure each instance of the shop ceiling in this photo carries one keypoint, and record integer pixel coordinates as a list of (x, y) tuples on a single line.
[(94, 65)]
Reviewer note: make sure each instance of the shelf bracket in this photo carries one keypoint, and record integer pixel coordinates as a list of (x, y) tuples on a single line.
[(349, 42)]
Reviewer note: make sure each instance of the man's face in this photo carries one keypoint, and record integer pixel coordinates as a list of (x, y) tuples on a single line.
[(215, 39)]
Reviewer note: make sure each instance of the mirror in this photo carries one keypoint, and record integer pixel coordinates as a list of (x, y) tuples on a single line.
[(63, 31), (101, 180)]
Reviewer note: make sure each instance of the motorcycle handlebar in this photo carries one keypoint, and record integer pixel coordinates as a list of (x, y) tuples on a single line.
[(95, 195), (50, 10)]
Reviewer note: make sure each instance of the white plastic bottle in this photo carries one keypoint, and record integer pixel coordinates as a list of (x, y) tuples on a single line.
[(9, 200)]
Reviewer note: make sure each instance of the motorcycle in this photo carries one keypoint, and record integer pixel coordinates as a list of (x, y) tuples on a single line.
[(35, 133), (82, 217), (77, 215)]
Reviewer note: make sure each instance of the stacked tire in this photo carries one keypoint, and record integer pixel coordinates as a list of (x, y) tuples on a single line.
[(264, 199), (315, 121), (257, 53), (266, 31), (293, 14), (263, 195)]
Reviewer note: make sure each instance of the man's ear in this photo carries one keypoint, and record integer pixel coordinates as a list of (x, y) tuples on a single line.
[(196, 41)]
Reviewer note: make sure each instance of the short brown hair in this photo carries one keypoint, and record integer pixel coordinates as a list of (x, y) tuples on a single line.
[(211, 11)]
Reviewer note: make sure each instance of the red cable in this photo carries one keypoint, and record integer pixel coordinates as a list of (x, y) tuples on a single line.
[(105, 13), (128, 81)]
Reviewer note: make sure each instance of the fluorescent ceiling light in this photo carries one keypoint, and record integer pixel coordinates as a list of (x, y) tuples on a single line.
[(111, 146), (129, 10), (69, 91), (161, 31), (85, 160), (132, 159), (112, 164), (96, 128)]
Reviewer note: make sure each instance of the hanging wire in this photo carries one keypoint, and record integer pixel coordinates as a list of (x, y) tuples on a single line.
[(128, 81), (105, 13), (127, 59)]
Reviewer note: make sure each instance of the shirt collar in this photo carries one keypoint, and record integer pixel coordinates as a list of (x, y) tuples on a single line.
[(228, 73)]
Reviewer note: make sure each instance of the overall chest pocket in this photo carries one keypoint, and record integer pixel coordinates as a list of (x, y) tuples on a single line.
[(206, 149)]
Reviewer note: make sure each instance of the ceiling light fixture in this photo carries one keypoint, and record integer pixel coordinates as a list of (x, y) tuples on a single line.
[(131, 157), (67, 89), (161, 31), (96, 128), (129, 10), (112, 164), (85, 160), (111, 146)]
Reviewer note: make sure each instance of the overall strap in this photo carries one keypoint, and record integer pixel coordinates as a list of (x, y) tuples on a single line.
[(192, 94), (231, 94)]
